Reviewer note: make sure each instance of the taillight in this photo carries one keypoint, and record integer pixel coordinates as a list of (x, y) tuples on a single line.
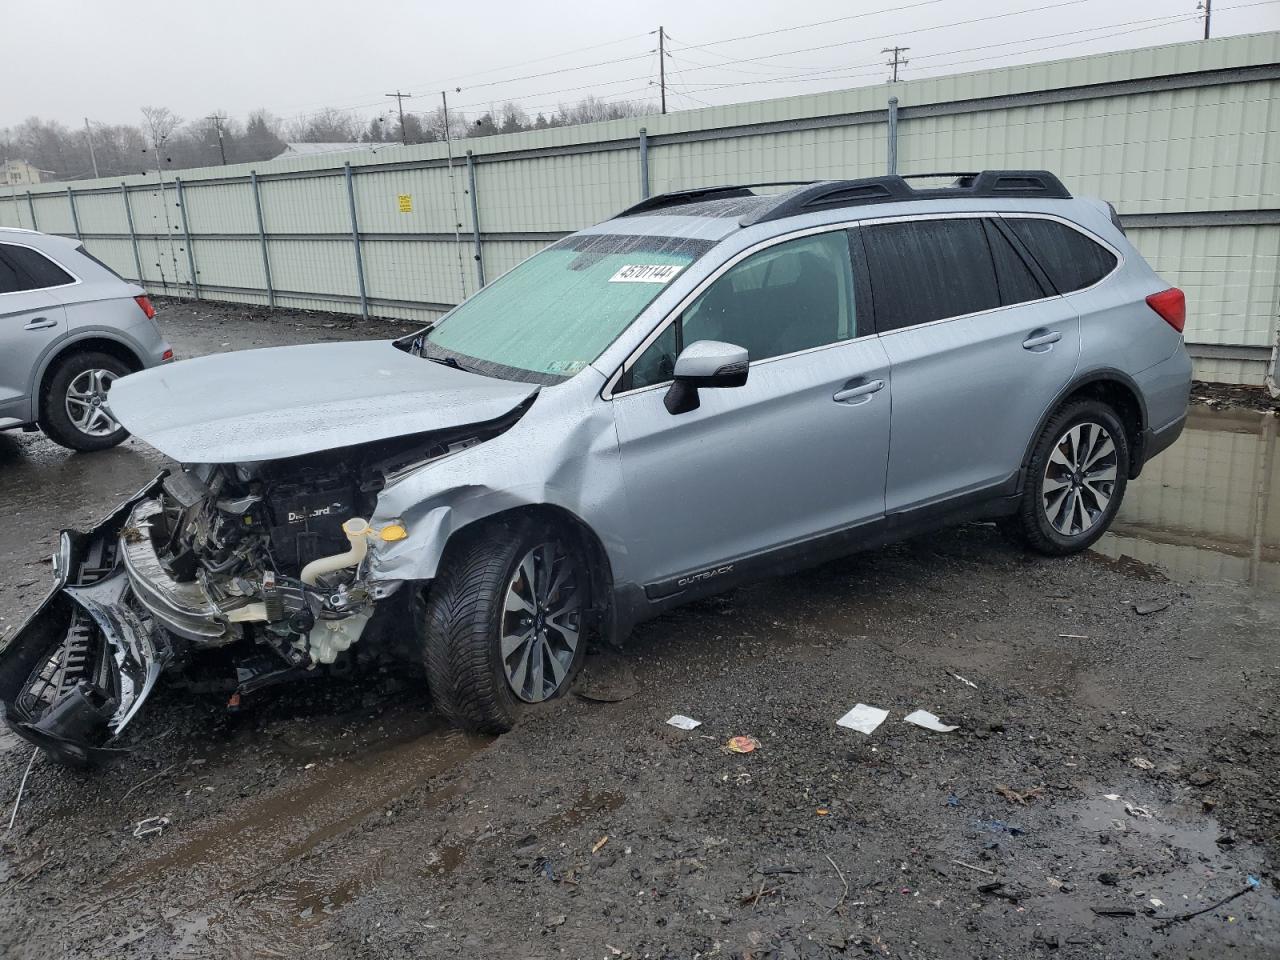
[(1171, 304), (145, 303)]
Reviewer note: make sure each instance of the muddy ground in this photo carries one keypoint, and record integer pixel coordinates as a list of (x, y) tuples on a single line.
[(1106, 759)]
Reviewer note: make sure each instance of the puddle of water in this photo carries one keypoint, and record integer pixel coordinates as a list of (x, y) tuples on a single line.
[(1208, 508)]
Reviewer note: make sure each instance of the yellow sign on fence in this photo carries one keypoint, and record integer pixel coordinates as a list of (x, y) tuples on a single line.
[(406, 203)]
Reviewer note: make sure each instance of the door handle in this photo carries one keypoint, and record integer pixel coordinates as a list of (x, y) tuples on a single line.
[(1041, 339), (861, 390), (41, 323)]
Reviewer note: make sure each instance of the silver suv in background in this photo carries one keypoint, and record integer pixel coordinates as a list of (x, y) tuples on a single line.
[(711, 387), (69, 327)]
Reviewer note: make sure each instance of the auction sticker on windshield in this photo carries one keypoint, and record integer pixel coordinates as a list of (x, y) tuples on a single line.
[(646, 273)]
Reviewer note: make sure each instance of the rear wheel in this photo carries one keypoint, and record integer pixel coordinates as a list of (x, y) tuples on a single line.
[(74, 410), (1075, 481), (503, 623)]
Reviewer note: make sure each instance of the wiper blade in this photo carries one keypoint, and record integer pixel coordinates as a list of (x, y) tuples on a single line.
[(448, 362)]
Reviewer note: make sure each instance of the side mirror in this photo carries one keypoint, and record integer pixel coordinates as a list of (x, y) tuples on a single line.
[(706, 363)]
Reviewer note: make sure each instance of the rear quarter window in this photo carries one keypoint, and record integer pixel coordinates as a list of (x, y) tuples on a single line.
[(1071, 260), (34, 271)]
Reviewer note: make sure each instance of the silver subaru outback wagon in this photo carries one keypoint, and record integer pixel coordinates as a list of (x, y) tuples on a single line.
[(712, 386), (69, 328)]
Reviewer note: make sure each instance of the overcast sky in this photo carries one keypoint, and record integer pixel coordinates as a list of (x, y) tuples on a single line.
[(67, 59)]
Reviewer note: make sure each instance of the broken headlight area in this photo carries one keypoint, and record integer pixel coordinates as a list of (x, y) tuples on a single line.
[(261, 562)]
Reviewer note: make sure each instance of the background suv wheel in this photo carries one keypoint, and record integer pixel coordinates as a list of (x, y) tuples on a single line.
[(503, 623), (1075, 480), (74, 409)]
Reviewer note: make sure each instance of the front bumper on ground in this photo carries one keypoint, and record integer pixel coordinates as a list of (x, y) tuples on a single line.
[(76, 672)]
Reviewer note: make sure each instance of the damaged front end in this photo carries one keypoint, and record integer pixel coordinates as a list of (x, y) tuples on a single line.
[(256, 565)]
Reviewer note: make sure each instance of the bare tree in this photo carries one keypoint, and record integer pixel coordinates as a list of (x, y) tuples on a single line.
[(160, 124)]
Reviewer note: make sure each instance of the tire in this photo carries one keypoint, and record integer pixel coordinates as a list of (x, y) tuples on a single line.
[(467, 618), (79, 382), (1069, 501)]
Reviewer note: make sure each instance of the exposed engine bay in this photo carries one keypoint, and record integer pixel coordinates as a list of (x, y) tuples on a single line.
[(262, 562)]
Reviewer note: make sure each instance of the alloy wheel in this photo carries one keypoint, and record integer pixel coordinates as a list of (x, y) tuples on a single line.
[(86, 403), (541, 622), (1079, 479)]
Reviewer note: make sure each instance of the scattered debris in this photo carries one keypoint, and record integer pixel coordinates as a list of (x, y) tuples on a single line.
[(1144, 607), (152, 779), (742, 744), (1022, 797), (1142, 813), (925, 719), (596, 847), (970, 866), (1116, 911), (149, 825), (967, 683), (1156, 902), (1142, 763), (1180, 917), (863, 718), (681, 722), (1111, 796), (996, 888), (844, 893), (1072, 636), (21, 787)]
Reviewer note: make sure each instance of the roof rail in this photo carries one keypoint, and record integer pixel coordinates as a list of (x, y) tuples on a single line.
[(678, 198), (847, 193)]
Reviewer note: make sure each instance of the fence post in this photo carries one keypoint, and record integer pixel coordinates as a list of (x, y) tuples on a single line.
[(644, 164), (893, 135), (475, 218), (31, 205), (355, 239), (186, 233), (133, 236), (262, 238), (75, 217)]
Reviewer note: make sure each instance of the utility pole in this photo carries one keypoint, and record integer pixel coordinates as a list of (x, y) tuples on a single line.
[(662, 67), (897, 60), (1207, 7), (453, 193), (88, 136), (217, 126), (400, 99)]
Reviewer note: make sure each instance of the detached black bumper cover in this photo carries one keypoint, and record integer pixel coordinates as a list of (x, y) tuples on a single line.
[(77, 671)]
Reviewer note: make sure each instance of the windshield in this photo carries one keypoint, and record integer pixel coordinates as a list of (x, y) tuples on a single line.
[(556, 312)]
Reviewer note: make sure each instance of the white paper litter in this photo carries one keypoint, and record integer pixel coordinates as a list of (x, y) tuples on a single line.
[(683, 722), (967, 683), (923, 718), (862, 718), (1111, 796)]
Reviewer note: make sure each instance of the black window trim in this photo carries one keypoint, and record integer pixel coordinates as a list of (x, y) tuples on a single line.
[(75, 279), (865, 326)]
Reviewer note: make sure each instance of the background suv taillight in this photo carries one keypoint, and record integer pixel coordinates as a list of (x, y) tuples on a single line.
[(145, 303), (1171, 304)]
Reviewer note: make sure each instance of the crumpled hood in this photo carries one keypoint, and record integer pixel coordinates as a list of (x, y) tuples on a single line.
[(286, 401)]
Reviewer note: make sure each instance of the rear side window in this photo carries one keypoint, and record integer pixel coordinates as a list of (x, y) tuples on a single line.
[(1017, 281), (32, 270), (1071, 259), (10, 280), (927, 270)]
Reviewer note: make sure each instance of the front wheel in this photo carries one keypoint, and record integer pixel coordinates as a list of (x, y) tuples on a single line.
[(503, 623), (1075, 480)]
